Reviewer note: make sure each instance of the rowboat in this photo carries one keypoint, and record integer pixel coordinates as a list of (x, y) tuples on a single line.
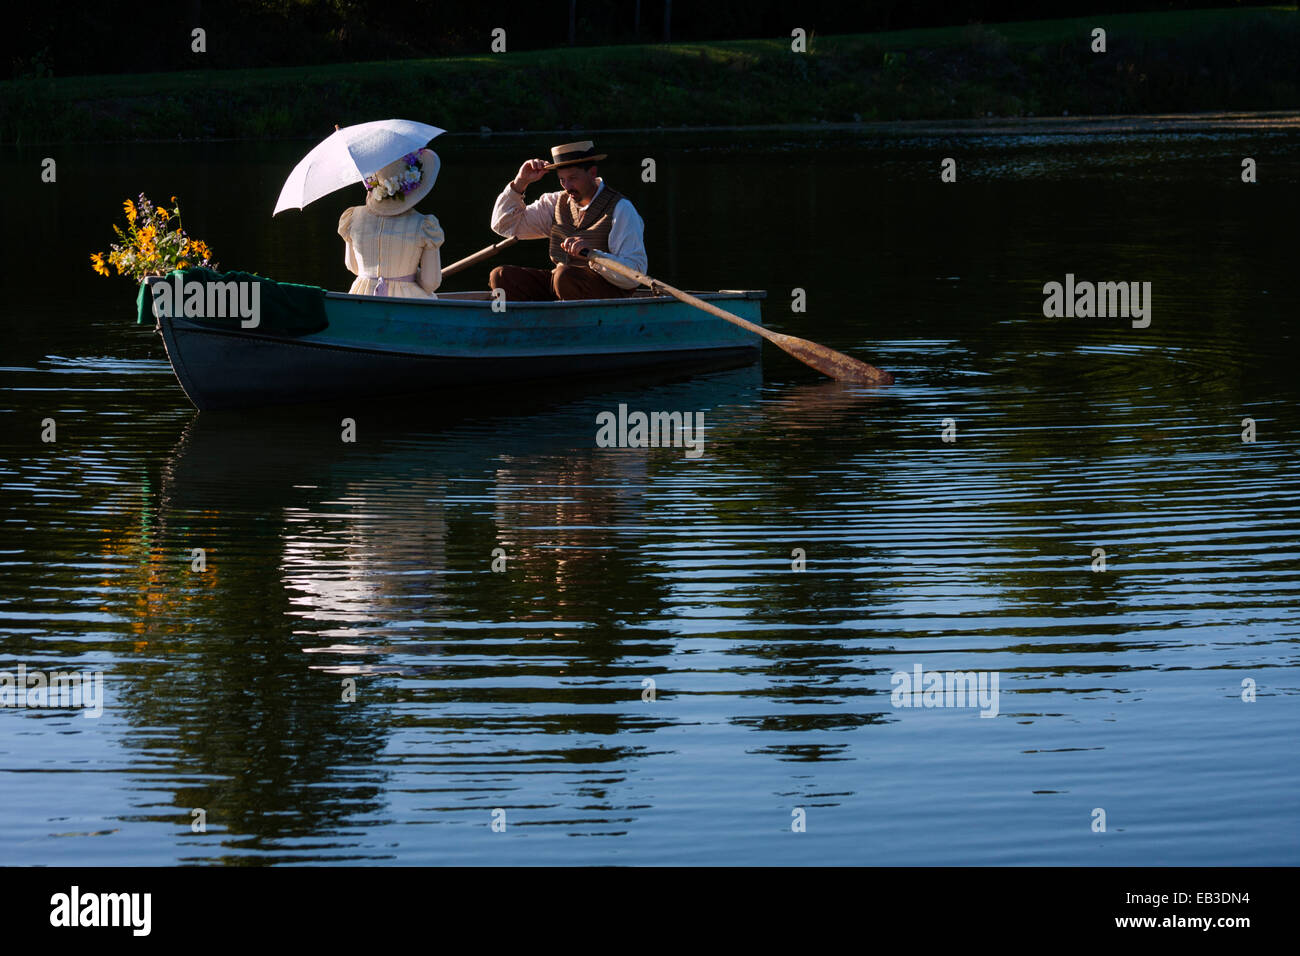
[(375, 346)]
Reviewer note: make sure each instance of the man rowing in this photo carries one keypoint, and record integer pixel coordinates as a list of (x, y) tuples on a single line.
[(583, 214)]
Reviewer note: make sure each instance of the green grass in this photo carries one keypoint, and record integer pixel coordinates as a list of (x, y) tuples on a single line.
[(1156, 62)]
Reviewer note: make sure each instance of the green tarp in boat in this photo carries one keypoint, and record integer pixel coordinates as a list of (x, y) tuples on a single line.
[(284, 308)]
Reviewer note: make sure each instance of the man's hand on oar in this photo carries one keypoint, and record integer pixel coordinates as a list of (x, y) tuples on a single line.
[(575, 246), (841, 367)]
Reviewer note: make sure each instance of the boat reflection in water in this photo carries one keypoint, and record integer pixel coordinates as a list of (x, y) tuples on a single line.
[(373, 560)]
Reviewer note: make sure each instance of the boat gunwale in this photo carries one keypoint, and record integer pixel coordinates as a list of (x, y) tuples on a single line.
[(310, 341), (445, 300)]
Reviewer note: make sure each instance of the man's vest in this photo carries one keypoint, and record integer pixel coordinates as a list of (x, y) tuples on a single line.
[(592, 224)]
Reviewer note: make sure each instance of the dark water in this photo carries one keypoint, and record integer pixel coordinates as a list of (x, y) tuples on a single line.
[(1119, 689)]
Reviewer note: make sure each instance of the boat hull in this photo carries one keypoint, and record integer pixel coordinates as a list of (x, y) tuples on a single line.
[(377, 347)]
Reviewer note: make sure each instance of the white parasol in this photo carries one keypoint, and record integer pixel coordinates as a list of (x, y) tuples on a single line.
[(349, 155)]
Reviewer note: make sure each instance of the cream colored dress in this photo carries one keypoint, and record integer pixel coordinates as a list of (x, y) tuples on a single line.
[(391, 247)]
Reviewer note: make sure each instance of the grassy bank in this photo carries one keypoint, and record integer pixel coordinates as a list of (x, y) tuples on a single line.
[(1155, 62)]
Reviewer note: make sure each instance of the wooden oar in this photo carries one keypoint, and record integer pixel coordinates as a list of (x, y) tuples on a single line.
[(841, 367), (476, 258)]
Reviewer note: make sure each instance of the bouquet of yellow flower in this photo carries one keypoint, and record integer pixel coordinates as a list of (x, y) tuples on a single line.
[(151, 245)]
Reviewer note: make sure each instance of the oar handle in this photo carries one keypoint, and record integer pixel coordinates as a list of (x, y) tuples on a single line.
[(656, 286), (476, 258)]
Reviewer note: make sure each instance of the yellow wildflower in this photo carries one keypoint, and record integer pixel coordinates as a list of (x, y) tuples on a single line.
[(151, 244)]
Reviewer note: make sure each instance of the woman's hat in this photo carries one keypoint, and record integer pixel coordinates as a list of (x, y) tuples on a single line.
[(391, 181), (573, 154)]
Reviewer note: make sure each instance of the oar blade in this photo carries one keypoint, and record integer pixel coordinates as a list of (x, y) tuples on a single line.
[(837, 365)]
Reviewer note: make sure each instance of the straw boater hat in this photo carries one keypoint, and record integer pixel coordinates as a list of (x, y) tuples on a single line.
[(573, 154), (392, 205)]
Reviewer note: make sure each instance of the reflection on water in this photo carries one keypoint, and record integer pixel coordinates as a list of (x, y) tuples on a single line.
[(334, 569)]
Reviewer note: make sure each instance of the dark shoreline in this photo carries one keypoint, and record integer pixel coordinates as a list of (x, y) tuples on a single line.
[(1153, 124), (1164, 63)]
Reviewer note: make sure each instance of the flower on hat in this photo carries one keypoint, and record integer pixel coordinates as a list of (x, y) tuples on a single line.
[(396, 187)]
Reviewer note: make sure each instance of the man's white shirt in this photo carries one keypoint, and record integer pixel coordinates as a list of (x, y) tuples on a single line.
[(510, 217)]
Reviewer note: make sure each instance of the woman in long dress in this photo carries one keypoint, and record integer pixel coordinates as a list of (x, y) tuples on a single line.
[(391, 248)]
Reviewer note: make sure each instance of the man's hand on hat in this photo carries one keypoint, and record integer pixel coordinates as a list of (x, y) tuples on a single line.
[(531, 171)]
